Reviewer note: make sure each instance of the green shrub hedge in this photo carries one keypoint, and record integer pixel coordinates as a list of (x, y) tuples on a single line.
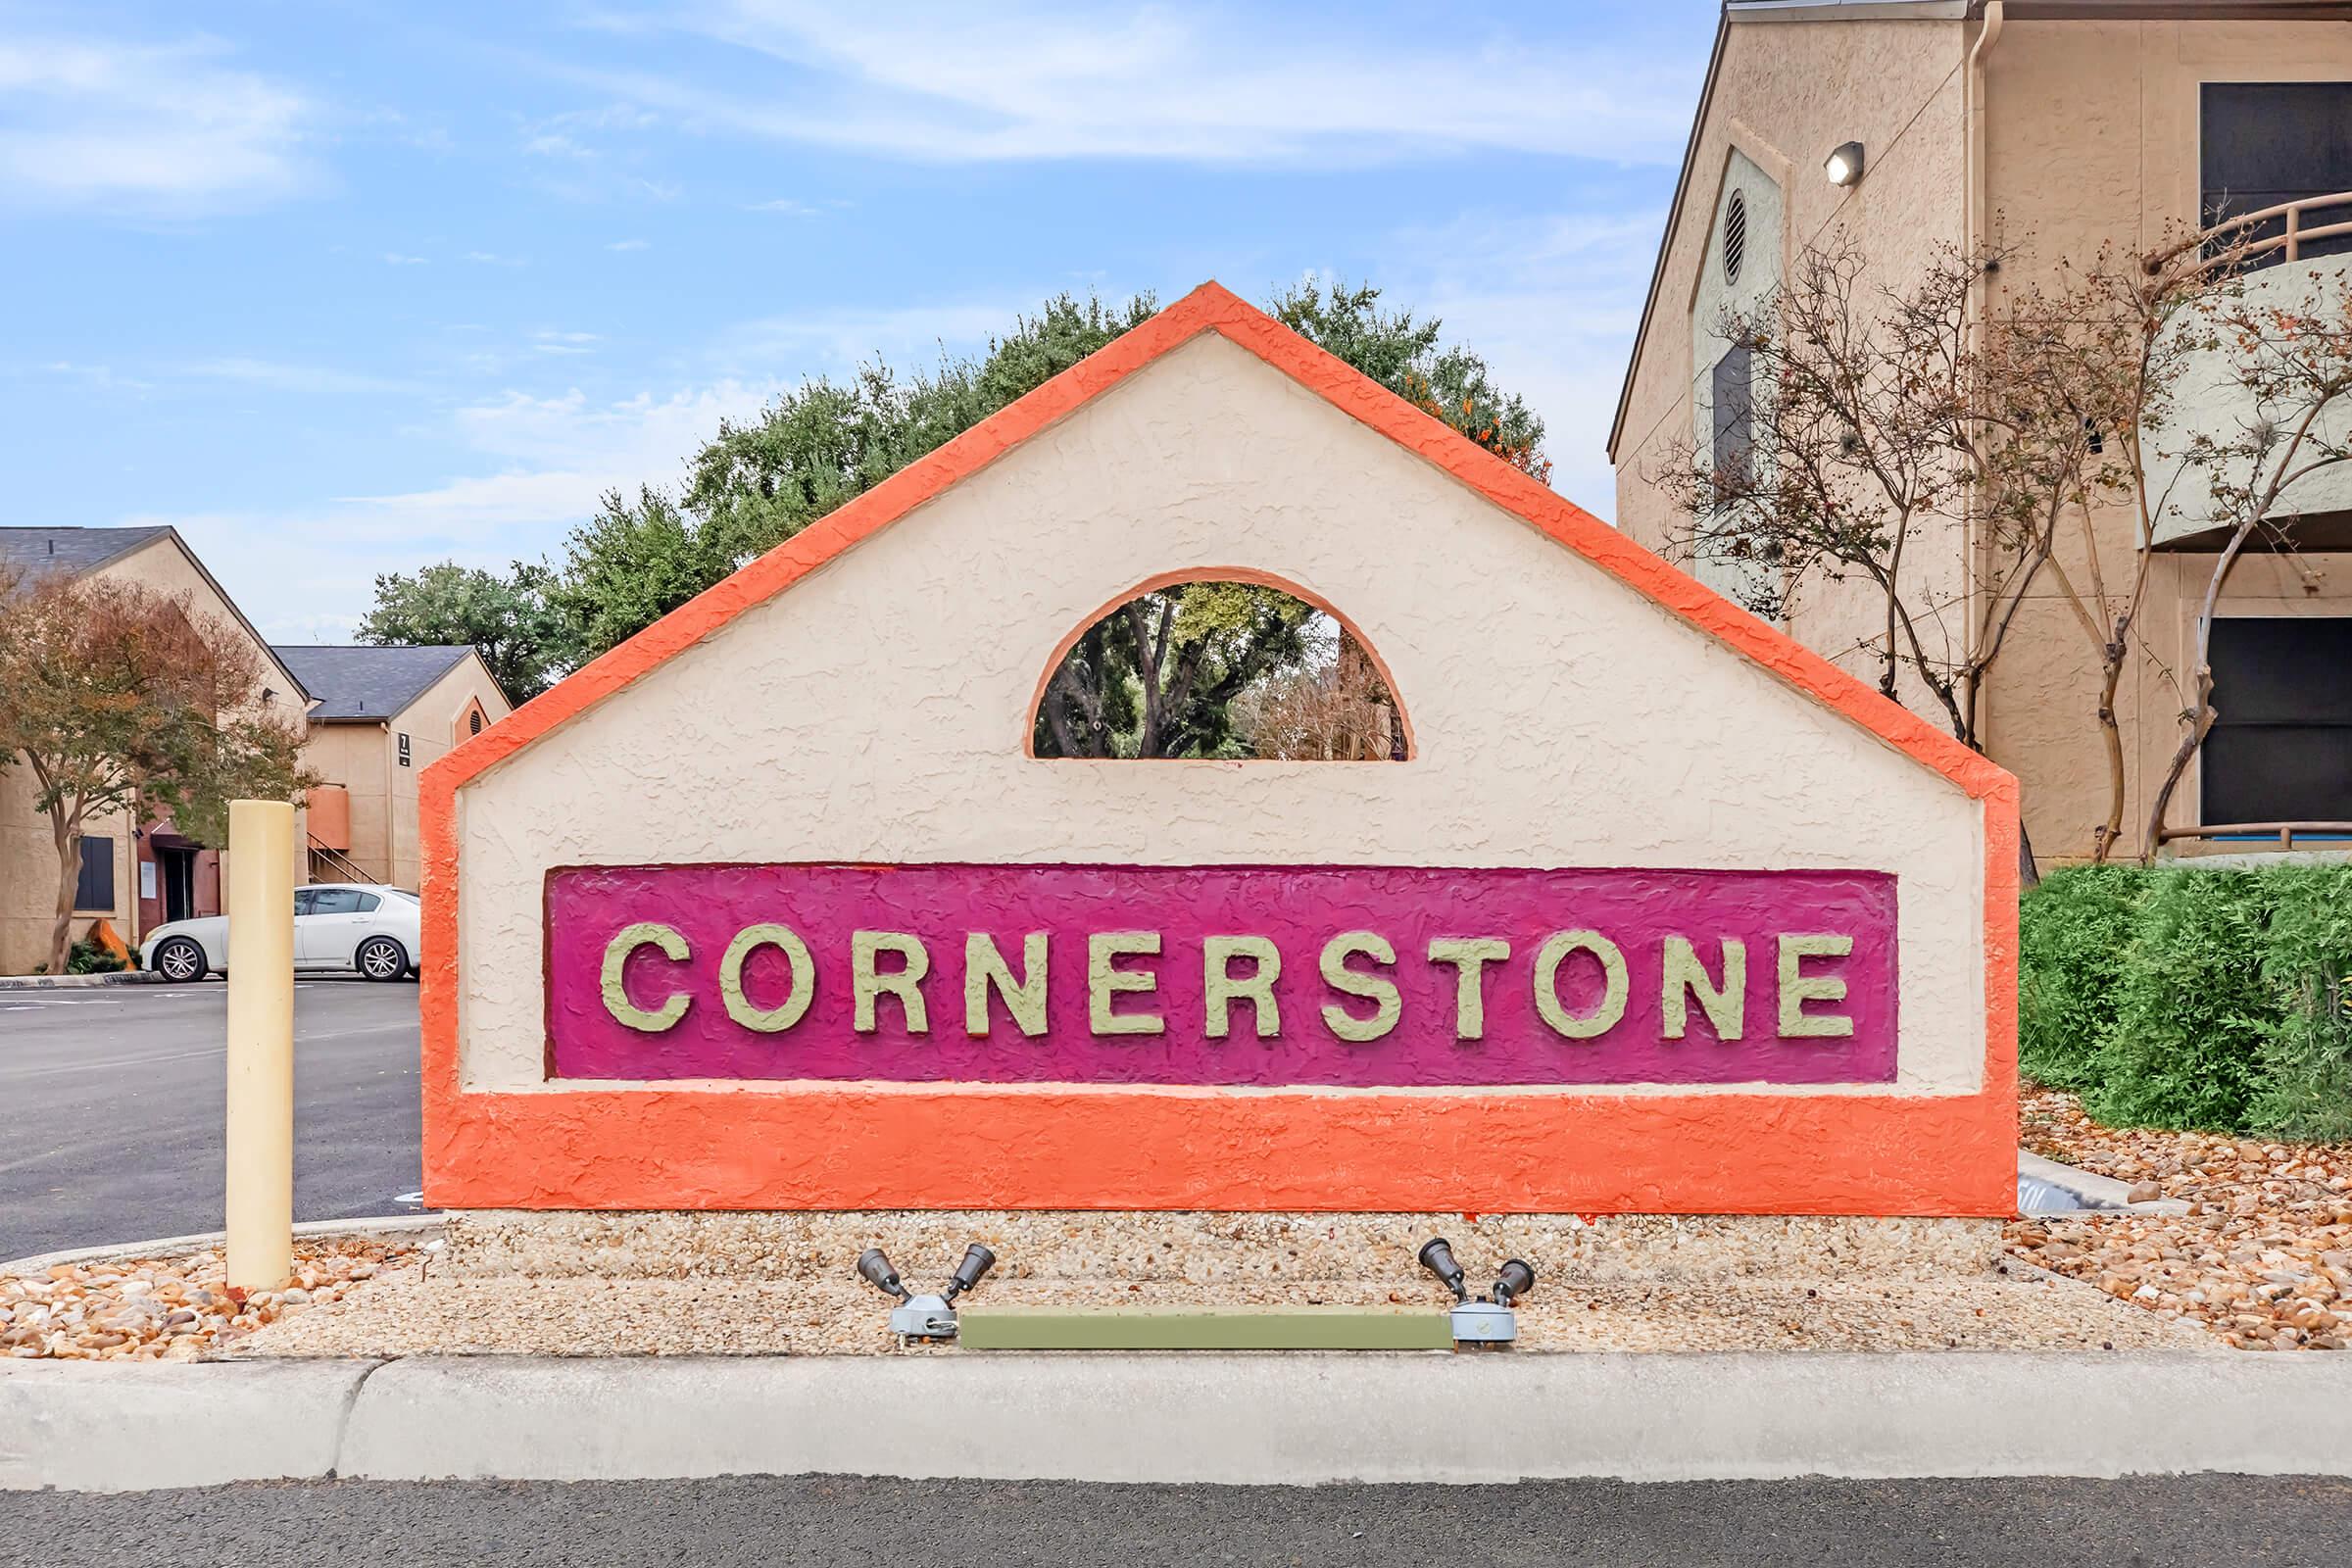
[(2194, 997)]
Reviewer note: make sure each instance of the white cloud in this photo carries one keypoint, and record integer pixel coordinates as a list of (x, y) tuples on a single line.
[(1039, 80), (157, 130), (785, 206), (396, 259), (547, 341), (630, 245), (493, 259), (306, 573)]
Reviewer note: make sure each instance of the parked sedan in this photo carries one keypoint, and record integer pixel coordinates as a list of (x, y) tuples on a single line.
[(336, 926)]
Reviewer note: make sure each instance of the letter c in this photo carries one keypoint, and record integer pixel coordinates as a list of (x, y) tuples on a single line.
[(644, 934)]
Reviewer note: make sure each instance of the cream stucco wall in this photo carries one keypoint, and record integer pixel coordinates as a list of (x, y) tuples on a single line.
[(28, 861), (364, 757), (879, 710), (1786, 95), (357, 754)]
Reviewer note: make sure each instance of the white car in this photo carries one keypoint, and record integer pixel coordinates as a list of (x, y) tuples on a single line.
[(337, 925)]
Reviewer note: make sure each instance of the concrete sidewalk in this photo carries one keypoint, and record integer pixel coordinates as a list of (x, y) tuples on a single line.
[(1297, 1419)]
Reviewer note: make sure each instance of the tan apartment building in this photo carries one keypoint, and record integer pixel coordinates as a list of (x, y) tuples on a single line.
[(2055, 128), (382, 716), (134, 875)]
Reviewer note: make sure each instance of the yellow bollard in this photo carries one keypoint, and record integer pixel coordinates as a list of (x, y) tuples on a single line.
[(261, 1044)]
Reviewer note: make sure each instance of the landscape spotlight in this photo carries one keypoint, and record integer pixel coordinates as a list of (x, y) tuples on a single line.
[(1516, 1280), (978, 1260), (873, 1267), (1844, 166), (928, 1316), (1438, 1257)]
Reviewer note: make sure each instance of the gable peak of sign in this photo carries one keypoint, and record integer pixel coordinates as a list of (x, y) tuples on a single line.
[(1212, 307)]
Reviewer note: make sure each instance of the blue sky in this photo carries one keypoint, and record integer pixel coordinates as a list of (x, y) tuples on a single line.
[(341, 288)]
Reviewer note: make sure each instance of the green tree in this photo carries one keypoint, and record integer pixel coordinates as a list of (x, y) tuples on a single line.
[(1155, 684), (507, 619), (1446, 381)]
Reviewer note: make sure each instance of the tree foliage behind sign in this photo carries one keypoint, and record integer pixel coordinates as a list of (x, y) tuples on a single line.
[(759, 483)]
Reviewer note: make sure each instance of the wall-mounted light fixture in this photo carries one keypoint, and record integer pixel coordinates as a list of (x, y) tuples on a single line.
[(1844, 166)]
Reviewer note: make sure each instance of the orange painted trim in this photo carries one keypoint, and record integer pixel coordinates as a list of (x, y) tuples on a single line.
[(846, 1146), (1206, 575)]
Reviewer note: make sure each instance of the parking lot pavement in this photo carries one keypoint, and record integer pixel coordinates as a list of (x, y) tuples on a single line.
[(2181, 1521), (110, 1103)]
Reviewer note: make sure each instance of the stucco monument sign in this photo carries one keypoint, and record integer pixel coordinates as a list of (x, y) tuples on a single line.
[(775, 907), (1358, 977)]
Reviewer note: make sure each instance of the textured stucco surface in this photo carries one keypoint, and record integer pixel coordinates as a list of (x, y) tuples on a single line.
[(2091, 140), (1232, 978), (878, 710)]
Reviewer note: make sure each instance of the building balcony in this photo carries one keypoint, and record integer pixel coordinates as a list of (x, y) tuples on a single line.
[(2292, 258)]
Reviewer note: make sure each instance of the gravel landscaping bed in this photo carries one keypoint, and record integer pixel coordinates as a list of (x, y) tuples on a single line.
[(177, 1308), (408, 1313), (2264, 1256)]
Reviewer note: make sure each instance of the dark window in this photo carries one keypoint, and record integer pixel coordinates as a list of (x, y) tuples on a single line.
[(2281, 750), (404, 751), (2264, 143), (336, 900), (1732, 394), (304, 898), (94, 887), (368, 903)]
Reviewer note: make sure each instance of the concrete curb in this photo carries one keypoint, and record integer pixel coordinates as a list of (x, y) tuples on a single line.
[(2097, 1194), (89, 1426), (1287, 1419), (76, 982), (174, 1246)]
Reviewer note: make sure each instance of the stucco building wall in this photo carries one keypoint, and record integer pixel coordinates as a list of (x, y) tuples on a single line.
[(364, 757), (1786, 95), (879, 710), (2090, 139)]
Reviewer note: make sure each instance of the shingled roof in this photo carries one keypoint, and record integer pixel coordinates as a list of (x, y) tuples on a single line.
[(367, 683), (73, 550)]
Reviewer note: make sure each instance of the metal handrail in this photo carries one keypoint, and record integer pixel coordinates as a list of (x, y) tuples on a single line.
[(2293, 240), (2285, 831), (337, 860)]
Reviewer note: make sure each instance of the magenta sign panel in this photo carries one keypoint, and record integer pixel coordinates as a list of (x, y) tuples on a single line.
[(1346, 976), (1222, 974)]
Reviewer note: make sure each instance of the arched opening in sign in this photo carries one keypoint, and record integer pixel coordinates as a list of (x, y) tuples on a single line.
[(1223, 664)]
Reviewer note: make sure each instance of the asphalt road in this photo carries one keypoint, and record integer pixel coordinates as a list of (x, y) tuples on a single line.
[(2183, 1522), (111, 1105)]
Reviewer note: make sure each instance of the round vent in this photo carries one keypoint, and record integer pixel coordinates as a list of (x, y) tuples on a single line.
[(473, 721), (1735, 236)]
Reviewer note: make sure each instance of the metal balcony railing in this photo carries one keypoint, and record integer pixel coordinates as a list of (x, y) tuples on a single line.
[(2237, 247), (2285, 832)]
